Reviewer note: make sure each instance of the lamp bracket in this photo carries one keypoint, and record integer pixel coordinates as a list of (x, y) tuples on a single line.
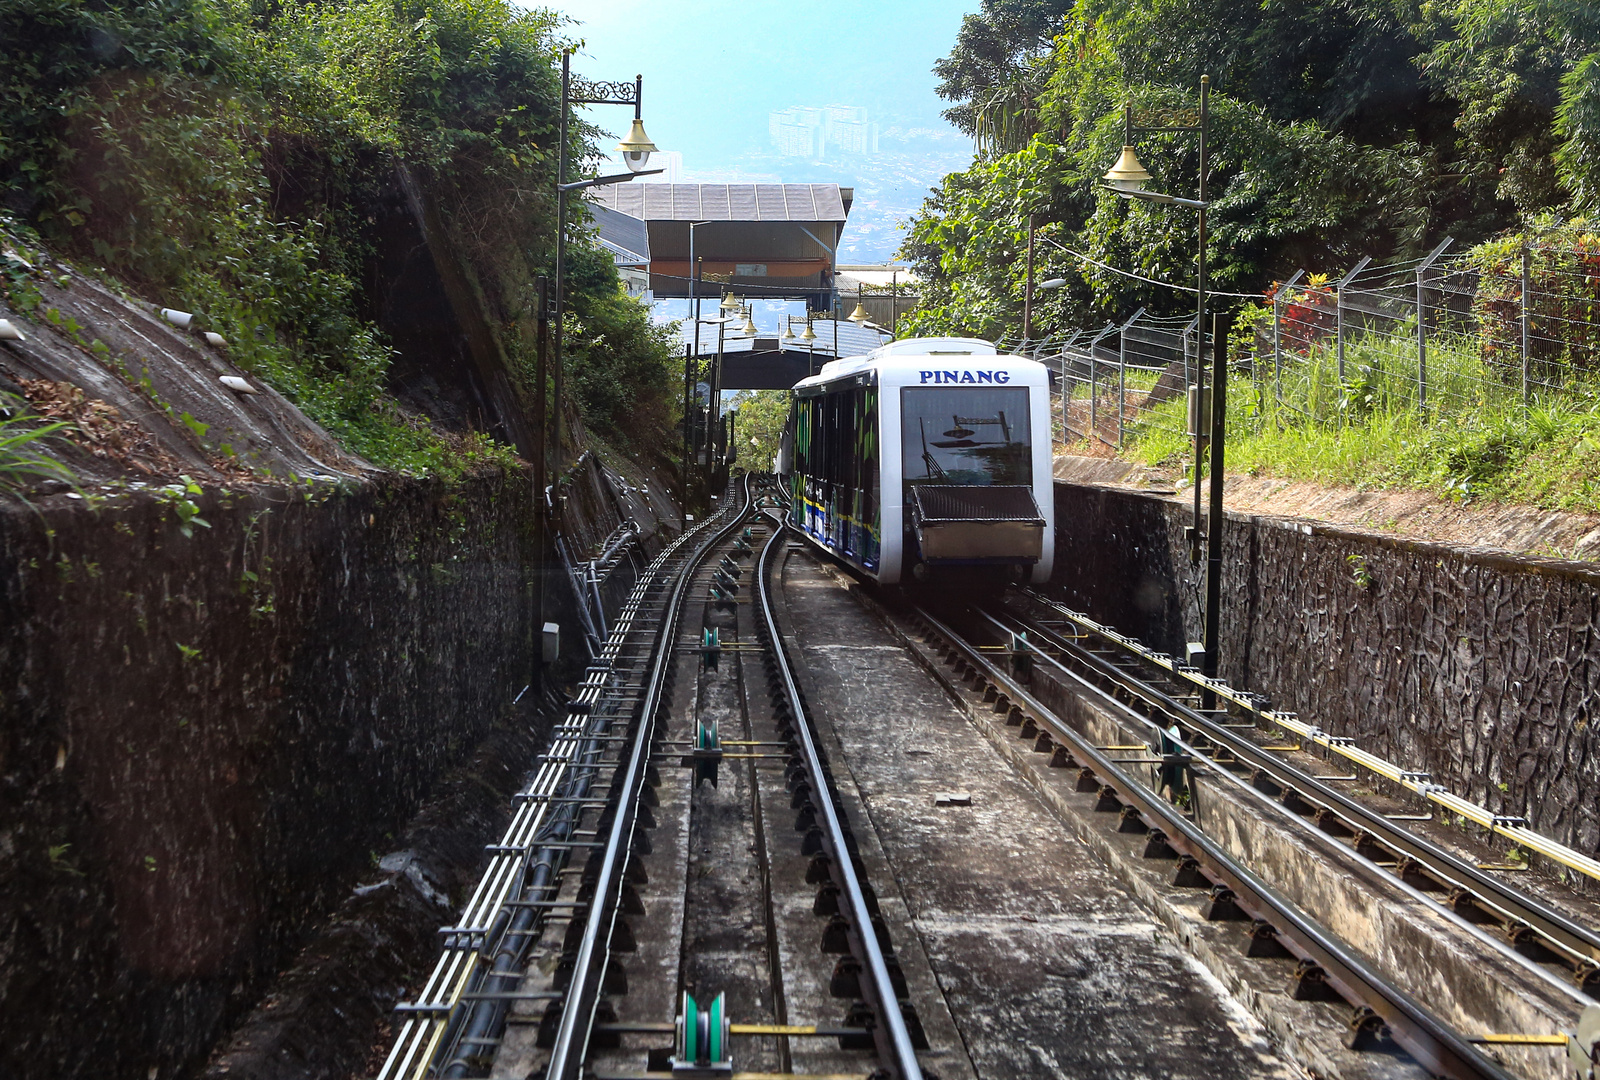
[(1157, 197), (591, 92), (1187, 120), (615, 178)]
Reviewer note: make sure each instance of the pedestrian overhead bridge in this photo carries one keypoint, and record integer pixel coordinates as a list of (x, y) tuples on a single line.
[(765, 361)]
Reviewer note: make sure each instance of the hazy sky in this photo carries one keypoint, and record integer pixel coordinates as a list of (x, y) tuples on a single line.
[(713, 69)]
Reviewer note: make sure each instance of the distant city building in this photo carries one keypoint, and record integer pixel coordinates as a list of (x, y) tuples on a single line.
[(796, 132), (801, 131), (849, 130)]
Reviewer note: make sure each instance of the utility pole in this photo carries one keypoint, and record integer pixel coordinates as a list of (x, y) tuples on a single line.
[(540, 525), (1220, 327), (1027, 296)]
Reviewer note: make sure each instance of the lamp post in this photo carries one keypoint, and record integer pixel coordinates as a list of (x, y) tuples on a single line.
[(714, 383), (1127, 178), (1027, 296), (809, 336), (636, 150), (1048, 285)]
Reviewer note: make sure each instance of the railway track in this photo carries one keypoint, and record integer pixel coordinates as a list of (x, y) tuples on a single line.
[(590, 950), (1171, 695), (999, 654)]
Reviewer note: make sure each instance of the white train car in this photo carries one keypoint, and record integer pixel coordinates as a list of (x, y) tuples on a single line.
[(928, 458)]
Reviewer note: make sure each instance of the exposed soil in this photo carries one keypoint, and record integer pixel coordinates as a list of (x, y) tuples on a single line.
[(1418, 515)]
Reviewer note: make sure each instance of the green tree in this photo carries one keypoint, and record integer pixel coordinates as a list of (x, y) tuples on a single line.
[(759, 426), (237, 158), (1578, 126), (1510, 64), (1339, 128), (997, 66)]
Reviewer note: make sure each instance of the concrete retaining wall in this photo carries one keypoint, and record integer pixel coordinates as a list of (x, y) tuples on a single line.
[(1479, 667)]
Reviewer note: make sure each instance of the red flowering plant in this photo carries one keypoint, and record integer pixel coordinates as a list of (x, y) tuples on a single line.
[(1307, 315), (1563, 304)]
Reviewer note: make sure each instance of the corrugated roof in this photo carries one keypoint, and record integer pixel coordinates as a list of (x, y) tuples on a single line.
[(723, 202), (623, 235)]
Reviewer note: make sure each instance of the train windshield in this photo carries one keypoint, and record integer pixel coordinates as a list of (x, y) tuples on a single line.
[(965, 435)]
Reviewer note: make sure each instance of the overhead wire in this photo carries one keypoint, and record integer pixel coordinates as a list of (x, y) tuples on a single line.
[(1148, 280)]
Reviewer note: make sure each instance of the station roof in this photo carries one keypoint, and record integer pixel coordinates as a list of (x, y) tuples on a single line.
[(724, 202)]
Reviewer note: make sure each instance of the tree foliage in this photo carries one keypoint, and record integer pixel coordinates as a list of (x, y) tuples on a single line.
[(997, 65), (236, 157), (758, 428), (1338, 128)]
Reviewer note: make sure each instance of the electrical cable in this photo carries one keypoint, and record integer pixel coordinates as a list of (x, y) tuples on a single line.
[(1150, 281)]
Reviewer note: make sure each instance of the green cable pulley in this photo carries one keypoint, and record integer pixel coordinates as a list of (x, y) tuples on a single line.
[(702, 1039), (706, 755)]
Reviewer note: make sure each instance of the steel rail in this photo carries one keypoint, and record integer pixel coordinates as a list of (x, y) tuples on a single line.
[(1577, 941), (571, 1042), (1437, 1047), (1328, 841), (895, 1050), (429, 1023), (1416, 782)]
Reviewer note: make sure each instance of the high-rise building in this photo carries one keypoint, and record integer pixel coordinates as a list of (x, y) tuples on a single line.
[(849, 130), (797, 132), (801, 131)]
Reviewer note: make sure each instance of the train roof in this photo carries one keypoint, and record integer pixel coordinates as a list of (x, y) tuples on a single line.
[(908, 362)]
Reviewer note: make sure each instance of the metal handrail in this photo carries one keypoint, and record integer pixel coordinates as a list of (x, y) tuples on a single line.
[(520, 864)]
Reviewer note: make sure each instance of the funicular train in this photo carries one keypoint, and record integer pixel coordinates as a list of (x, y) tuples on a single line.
[(927, 458)]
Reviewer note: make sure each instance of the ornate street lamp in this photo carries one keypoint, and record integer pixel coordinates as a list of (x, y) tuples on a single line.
[(636, 150), (1128, 178)]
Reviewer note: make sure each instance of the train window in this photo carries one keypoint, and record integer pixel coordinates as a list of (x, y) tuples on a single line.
[(965, 435)]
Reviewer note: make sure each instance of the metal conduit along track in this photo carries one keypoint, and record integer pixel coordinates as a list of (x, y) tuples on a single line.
[(453, 1026), (1381, 1011), (1165, 690)]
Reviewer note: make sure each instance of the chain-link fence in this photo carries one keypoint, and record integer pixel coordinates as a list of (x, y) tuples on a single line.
[(1509, 327), (1108, 380)]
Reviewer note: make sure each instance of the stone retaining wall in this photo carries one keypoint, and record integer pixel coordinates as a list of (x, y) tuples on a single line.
[(207, 740), (1479, 667)]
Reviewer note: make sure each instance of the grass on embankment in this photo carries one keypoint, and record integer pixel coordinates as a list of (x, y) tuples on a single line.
[(1475, 441)]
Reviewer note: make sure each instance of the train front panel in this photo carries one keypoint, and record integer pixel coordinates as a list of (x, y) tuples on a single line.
[(932, 456)]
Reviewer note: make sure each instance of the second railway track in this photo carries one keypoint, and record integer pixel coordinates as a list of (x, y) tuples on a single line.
[(1512, 970)]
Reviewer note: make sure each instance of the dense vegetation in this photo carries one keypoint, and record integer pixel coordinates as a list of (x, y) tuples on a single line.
[(1340, 128), (239, 157)]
